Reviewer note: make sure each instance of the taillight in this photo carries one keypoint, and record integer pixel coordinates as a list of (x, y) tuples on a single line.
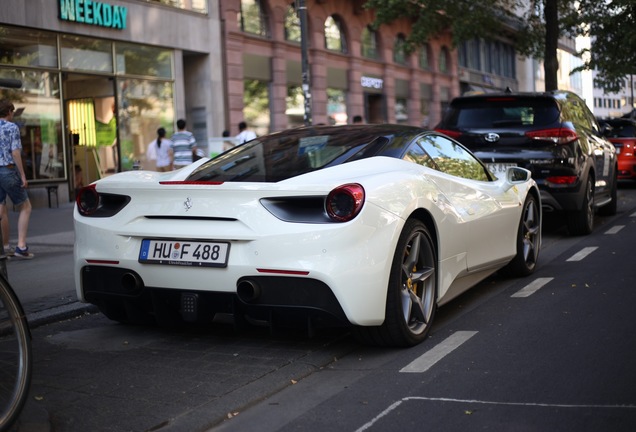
[(561, 180), (451, 133), (345, 202), (556, 135), (87, 200), (91, 203)]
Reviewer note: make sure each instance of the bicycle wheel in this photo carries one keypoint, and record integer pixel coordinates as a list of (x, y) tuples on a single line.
[(15, 356)]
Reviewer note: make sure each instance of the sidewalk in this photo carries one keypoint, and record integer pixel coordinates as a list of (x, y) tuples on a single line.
[(45, 284)]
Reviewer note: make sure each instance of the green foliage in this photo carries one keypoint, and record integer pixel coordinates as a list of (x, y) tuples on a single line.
[(463, 19), (610, 25)]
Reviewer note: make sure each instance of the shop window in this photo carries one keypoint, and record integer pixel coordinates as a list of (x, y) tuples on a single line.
[(401, 111), (399, 50), (86, 54), (256, 110), (426, 94), (143, 60), (252, 18), (292, 25), (369, 44), (443, 60), (20, 47), (336, 106), (39, 117), (143, 106), (295, 107), (334, 35)]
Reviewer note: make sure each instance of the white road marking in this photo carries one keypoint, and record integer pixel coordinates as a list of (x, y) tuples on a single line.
[(532, 287), (482, 402), (582, 253), (615, 229), (632, 215), (438, 352)]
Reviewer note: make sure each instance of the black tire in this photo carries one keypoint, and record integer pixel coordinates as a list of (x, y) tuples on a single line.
[(528, 240), (581, 222), (16, 361), (411, 294), (611, 208)]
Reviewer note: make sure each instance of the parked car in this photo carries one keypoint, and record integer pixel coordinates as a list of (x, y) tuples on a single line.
[(552, 134), (372, 226), (622, 133)]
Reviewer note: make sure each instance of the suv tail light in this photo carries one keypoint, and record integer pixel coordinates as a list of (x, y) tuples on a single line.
[(556, 135), (450, 133)]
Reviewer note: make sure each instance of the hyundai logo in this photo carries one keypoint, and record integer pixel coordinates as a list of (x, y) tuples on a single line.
[(491, 137)]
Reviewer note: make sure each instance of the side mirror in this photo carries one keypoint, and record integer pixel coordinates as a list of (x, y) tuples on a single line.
[(514, 175), (518, 175)]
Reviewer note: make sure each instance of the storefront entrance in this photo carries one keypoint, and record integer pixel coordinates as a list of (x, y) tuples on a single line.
[(375, 109), (91, 125)]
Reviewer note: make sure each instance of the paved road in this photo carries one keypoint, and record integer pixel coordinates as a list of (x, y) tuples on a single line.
[(93, 374)]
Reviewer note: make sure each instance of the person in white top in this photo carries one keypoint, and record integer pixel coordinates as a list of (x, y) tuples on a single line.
[(245, 134), (160, 150)]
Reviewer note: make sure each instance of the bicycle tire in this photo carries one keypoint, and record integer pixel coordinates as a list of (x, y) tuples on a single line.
[(16, 362)]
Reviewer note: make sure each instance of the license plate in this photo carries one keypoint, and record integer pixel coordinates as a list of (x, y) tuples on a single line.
[(499, 168), (184, 253)]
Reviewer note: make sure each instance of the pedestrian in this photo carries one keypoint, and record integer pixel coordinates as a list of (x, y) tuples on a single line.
[(5, 231), (160, 150), (227, 142), (357, 119), (13, 182), (245, 134), (79, 179), (184, 146)]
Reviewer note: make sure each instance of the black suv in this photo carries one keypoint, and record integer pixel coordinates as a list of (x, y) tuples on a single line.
[(552, 134)]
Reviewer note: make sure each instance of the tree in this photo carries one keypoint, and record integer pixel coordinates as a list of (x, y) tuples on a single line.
[(610, 25), (534, 25)]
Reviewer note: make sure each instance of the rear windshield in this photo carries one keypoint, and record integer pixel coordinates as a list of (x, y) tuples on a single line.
[(622, 130), (281, 156), (501, 112)]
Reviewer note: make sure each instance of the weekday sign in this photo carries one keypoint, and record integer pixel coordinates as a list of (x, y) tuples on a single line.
[(94, 13)]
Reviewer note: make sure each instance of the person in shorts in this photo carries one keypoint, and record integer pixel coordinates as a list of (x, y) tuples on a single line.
[(13, 182)]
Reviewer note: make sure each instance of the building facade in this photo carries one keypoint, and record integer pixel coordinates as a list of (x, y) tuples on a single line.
[(353, 70), (100, 77)]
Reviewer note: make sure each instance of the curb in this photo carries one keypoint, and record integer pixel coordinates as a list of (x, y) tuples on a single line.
[(59, 313)]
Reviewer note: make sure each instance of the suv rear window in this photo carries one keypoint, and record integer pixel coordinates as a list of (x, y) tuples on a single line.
[(501, 112), (622, 130)]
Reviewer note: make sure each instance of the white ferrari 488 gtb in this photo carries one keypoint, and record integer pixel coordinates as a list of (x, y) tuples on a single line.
[(370, 226)]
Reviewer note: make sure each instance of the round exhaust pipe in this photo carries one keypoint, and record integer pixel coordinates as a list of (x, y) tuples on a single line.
[(131, 282), (248, 291)]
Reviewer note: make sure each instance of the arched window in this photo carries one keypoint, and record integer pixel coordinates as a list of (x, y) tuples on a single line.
[(292, 24), (443, 60), (369, 43), (399, 49), (252, 18), (334, 36), (424, 61)]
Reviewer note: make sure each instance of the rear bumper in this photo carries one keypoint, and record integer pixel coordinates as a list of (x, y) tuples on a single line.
[(561, 199), (627, 169), (122, 295)]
